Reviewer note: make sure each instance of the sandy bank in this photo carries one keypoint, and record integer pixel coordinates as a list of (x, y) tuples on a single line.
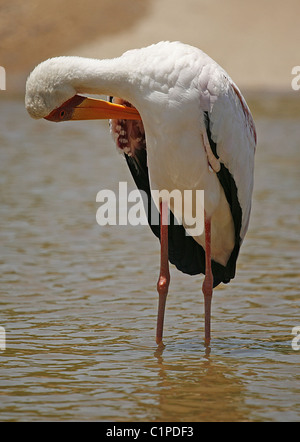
[(257, 42)]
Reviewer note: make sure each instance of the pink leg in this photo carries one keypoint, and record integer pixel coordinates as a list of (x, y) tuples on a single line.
[(207, 287), (164, 276)]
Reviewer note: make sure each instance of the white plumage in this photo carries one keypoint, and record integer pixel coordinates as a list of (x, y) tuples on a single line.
[(196, 126)]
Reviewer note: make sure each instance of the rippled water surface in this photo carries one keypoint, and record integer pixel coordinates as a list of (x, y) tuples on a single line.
[(78, 301)]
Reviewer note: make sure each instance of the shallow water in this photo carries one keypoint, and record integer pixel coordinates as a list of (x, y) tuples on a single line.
[(78, 301)]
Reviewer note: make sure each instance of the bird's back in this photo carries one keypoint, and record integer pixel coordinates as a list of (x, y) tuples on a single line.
[(217, 107)]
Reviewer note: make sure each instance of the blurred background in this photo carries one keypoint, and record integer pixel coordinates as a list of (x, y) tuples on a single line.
[(78, 301), (257, 41)]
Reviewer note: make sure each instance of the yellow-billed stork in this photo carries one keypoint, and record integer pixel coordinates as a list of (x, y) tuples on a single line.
[(181, 123)]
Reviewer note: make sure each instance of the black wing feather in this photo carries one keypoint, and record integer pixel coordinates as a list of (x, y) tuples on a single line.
[(184, 252)]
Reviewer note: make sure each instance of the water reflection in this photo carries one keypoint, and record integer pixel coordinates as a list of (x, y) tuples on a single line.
[(198, 390)]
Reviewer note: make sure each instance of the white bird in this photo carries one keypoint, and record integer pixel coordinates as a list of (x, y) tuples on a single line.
[(181, 123)]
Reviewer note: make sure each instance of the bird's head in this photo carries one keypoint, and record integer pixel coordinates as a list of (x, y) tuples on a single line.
[(51, 93), (47, 88)]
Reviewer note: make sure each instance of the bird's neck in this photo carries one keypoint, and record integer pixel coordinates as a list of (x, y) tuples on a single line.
[(107, 77)]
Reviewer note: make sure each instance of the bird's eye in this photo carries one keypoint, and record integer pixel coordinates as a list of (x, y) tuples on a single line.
[(62, 114)]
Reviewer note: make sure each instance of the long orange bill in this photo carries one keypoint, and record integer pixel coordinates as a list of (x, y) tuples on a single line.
[(82, 108)]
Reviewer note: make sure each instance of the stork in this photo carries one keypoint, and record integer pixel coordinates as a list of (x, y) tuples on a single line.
[(181, 123)]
